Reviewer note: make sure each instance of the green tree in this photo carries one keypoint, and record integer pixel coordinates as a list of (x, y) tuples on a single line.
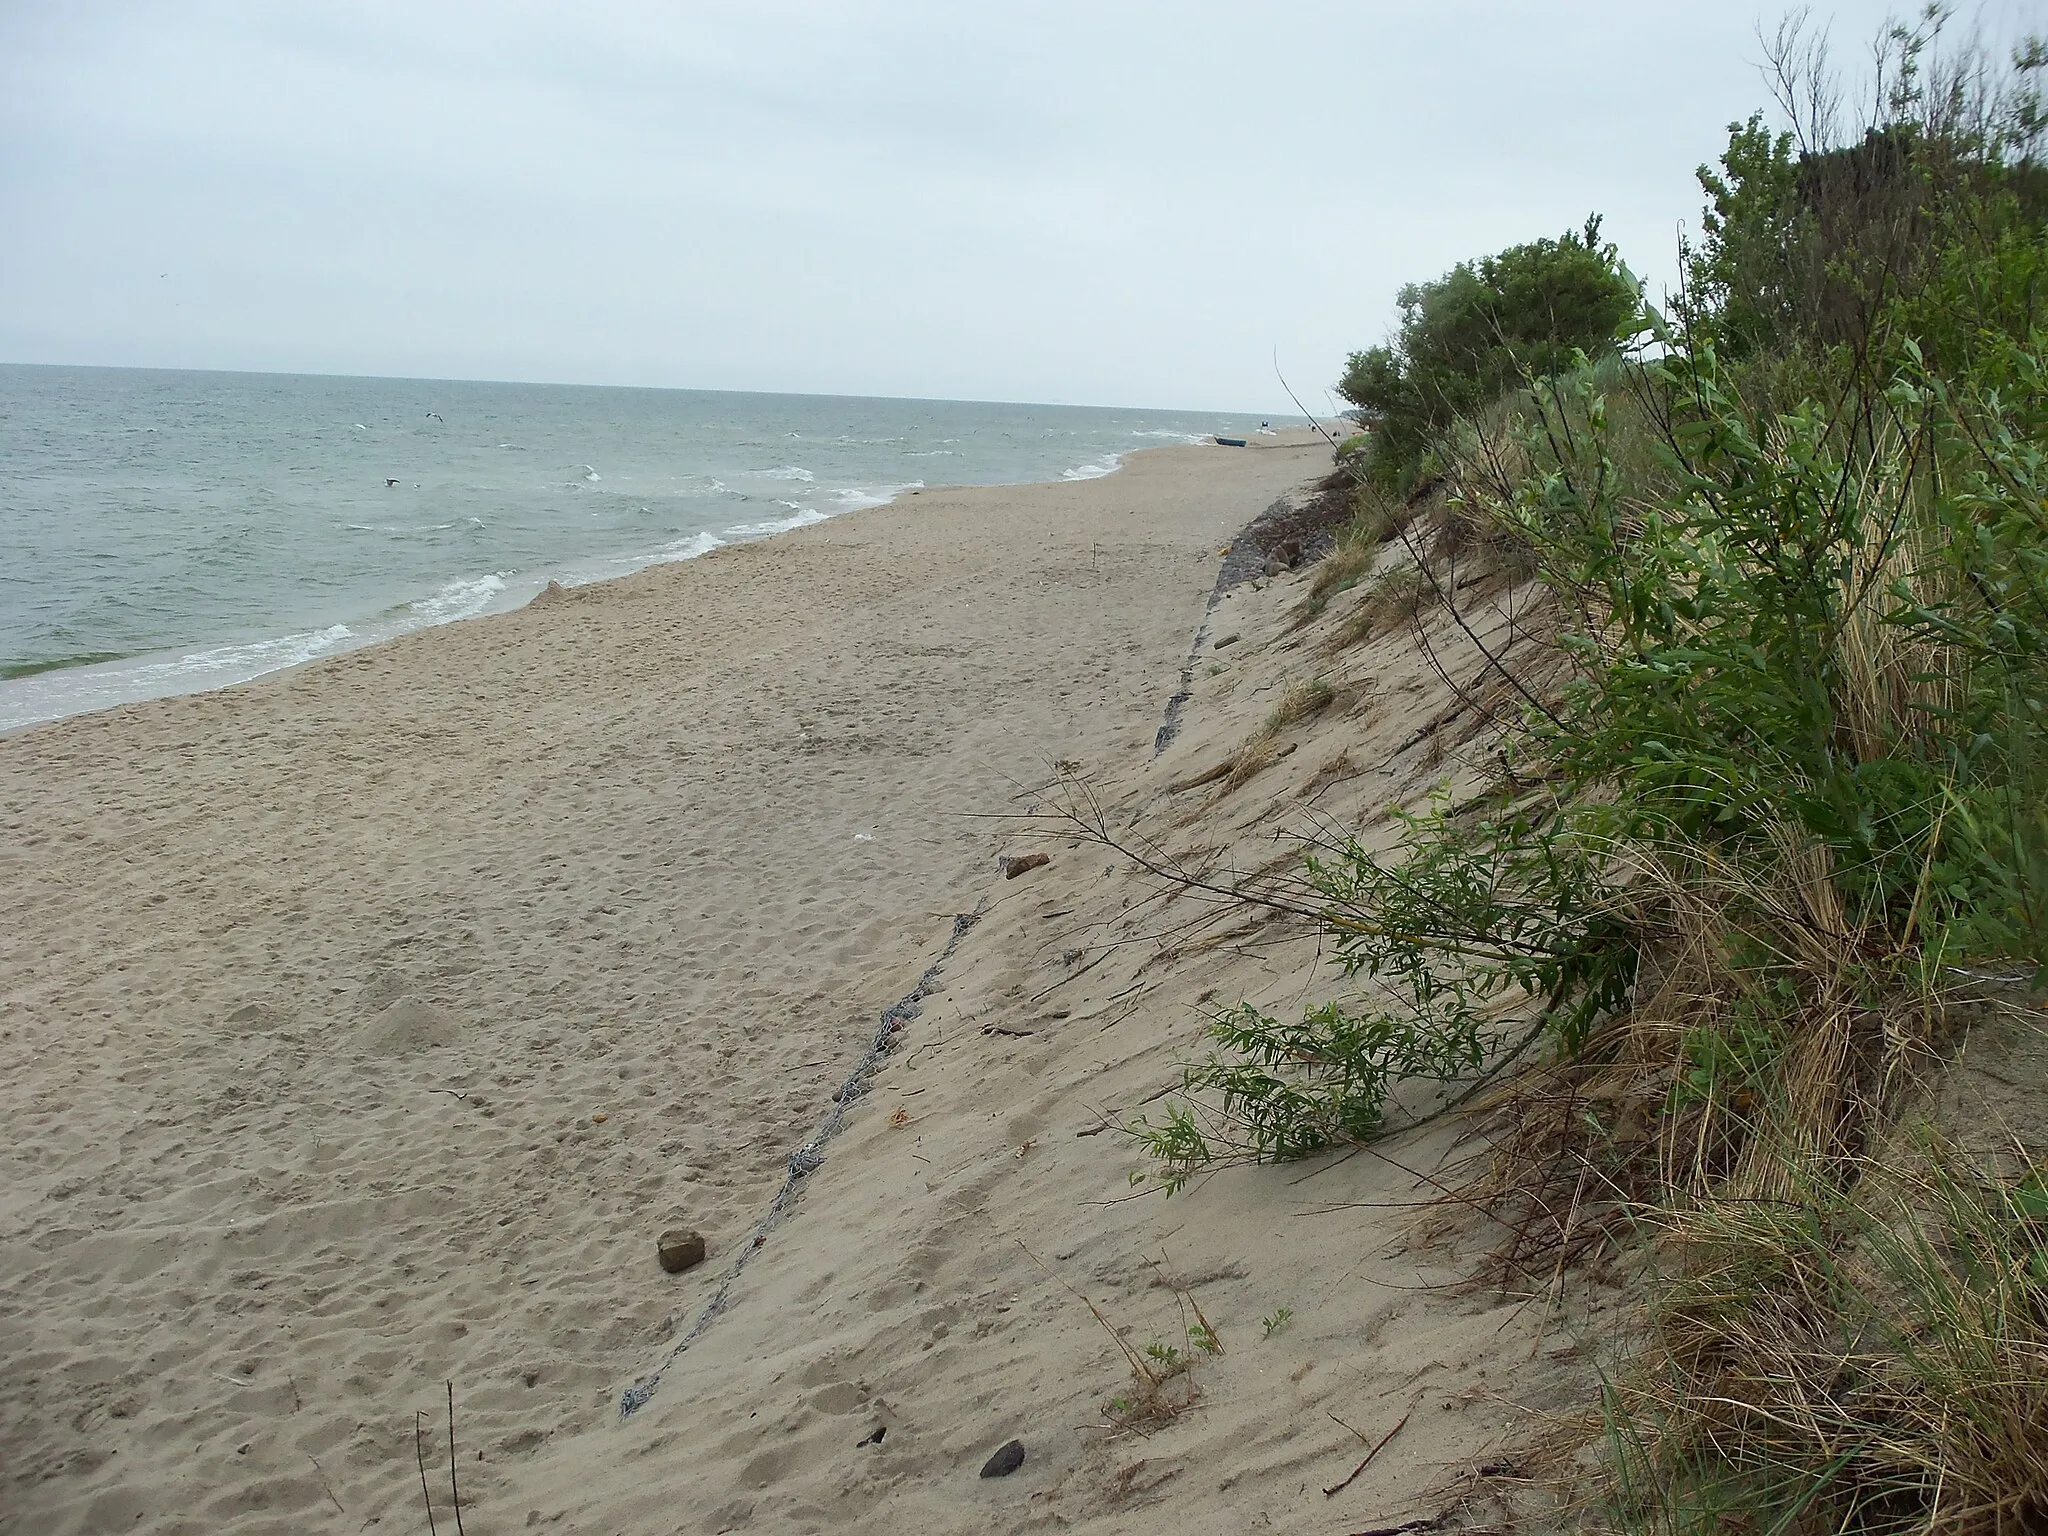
[(1478, 331)]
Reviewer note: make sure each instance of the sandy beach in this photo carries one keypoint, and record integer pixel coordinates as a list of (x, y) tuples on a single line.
[(369, 1023)]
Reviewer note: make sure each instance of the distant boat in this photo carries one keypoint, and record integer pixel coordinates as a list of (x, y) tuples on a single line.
[(1230, 442)]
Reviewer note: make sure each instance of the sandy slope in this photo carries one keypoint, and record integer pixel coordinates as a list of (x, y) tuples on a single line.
[(932, 1283), (314, 993)]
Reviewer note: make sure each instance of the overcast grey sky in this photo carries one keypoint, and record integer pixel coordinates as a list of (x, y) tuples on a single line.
[(1096, 202)]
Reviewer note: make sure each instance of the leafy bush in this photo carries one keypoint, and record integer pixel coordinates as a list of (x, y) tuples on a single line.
[(1803, 666), (1809, 240), (1478, 329), (1471, 917)]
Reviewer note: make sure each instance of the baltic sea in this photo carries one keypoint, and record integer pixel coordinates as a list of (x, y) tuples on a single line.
[(164, 532)]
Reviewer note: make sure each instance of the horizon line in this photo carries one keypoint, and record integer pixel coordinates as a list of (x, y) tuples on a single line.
[(678, 389)]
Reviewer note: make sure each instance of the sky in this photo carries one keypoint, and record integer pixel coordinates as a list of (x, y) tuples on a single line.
[(1112, 202)]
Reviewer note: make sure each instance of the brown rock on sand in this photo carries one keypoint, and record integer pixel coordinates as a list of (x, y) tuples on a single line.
[(679, 1249)]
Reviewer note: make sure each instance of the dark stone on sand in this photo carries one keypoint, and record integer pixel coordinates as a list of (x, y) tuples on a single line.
[(1016, 864), (1005, 1461), (680, 1249), (1226, 640)]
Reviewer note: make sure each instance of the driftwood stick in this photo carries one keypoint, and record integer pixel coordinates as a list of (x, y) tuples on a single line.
[(454, 1491), (419, 1454), (1330, 1493)]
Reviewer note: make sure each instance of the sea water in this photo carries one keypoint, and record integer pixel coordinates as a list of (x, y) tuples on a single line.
[(166, 532)]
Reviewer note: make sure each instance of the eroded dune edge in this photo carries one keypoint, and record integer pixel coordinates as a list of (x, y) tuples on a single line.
[(371, 1022)]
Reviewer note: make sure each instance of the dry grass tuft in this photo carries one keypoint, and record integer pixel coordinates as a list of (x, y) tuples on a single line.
[(1250, 760), (1872, 1361), (1260, 750), (1376, 519), (1303, 698), (1394, 597)]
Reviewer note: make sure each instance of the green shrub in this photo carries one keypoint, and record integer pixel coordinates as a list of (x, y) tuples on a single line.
[(1805, 662), (1776, 817), (1481, 328)]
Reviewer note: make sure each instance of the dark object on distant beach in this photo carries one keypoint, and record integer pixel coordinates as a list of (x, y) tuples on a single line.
[(1016, 864), (389, 483), (1229, 639), (680, 1249), (1005, 1461), (1230, 442), (881, 1432)]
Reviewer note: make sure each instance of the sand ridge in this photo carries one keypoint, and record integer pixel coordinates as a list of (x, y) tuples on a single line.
[(369, 1022)]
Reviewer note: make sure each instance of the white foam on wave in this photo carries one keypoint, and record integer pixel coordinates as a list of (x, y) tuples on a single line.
[(794, 472), (693, 546), (467, 522), (463, 598), (856, 498), (1109, 464), (799, 517), (591, 474), (253, 659), (79, 690), (1171, 436), (697, 544)]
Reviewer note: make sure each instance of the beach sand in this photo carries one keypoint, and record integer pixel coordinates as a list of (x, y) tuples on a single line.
[(368, 1024)]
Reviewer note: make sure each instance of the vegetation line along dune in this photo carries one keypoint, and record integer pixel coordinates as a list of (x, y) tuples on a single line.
[(1761, 853)]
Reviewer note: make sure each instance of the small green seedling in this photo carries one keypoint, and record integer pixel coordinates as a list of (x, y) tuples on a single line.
[(1167, 1356), (1278, 1322)]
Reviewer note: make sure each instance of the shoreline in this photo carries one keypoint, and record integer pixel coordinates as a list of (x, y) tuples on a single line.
[(145, 676)]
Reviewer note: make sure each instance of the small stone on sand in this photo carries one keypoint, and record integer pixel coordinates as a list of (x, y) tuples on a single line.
[(1005, 1461), (680, 1249), (1016, 864)]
